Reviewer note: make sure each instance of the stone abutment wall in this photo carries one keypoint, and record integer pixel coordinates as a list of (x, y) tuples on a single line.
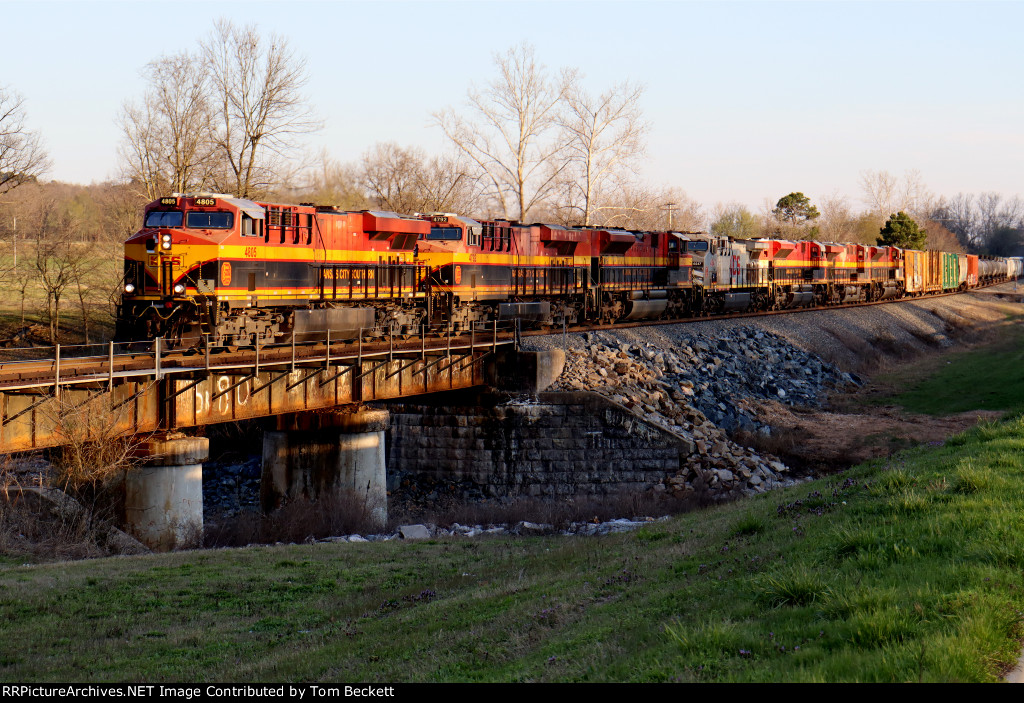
[(556, 445)]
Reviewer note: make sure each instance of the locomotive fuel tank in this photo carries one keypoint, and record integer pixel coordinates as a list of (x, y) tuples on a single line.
[(532, 312), (645, 309), (343, 323), (737, 301), (853, 294), (889, 291), (641, 309)]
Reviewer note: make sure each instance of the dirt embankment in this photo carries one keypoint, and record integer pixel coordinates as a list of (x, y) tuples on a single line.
[(823, 440), (891, 340)]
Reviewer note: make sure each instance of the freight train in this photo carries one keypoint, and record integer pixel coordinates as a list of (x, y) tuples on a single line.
[(239, 272)]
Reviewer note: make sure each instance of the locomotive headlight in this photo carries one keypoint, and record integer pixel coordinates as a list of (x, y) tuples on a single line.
[(179, 288), (129, 287), (165, 241)]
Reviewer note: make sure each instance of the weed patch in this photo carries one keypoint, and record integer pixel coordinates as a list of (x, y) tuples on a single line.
[(796, 586)]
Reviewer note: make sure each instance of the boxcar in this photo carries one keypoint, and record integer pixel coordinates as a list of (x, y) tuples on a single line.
[(950, 271)]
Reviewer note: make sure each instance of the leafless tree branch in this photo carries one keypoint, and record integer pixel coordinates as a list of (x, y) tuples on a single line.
[(511, 135), (22, 156), (259, 111), (604, 138)]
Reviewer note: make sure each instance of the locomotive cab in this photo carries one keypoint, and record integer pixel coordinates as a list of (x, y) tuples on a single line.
[(179, 233), (180, 263)]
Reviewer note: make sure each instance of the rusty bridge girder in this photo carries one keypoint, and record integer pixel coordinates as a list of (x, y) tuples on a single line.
[(120, 396)]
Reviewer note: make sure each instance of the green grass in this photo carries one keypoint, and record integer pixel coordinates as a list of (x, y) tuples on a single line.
[(904, 570), (987, 378)]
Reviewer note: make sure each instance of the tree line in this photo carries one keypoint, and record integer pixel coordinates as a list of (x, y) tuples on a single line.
[(895, 210)]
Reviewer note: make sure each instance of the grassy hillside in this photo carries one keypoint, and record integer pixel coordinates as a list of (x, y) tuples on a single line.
[(989, 378), (899, 571)]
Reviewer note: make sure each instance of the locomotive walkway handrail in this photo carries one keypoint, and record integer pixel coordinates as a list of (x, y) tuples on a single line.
[(24, 369), (82, 364)]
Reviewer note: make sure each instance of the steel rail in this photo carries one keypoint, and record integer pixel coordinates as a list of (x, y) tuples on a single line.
[(750, 314), (65, 370)]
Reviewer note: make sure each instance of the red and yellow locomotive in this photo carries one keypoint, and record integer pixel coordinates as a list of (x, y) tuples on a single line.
[(242, 271)]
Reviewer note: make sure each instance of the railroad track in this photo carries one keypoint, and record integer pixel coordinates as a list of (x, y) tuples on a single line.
[(762, 313), (108, 367)]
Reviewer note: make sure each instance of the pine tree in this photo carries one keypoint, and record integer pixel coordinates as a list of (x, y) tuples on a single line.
[(901, 231)]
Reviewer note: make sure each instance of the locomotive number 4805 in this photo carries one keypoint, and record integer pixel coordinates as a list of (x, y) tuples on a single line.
[(250, 252)]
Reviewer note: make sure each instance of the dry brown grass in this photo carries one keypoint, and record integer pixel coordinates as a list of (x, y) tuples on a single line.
[(93, 453), (71, 510), (780, 442), (305, 520), (43, 523)]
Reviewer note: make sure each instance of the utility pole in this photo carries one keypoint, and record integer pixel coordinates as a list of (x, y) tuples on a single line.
[(671, 207), (14, 229)]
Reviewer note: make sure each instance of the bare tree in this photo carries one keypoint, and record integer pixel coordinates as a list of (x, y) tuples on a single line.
[(957, 215), (69, 240), (995, 211), (392, 176), (511, 135), (325, 181), (21, 279), (604, 138), (837, 223), (940, 238), (980, 221), (22, 156), (140, 152), (59, 259), (259, 111), (119, 213), (654, 209), (886, 194), (167, 144), (448, 184), (405, 181)]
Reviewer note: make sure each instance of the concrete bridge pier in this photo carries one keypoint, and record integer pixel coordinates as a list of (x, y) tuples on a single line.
[(335, 457), (164, 496)]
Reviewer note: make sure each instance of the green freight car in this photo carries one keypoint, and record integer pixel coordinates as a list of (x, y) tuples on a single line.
[(950, 271)]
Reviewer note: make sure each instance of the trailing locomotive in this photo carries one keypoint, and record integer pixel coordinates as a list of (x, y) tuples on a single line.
[(240, 272)]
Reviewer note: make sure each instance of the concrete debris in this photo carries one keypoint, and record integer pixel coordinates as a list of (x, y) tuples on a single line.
[(414, 532), (522, 528)]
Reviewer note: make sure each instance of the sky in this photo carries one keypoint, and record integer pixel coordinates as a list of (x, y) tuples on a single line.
[(747, 101)]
